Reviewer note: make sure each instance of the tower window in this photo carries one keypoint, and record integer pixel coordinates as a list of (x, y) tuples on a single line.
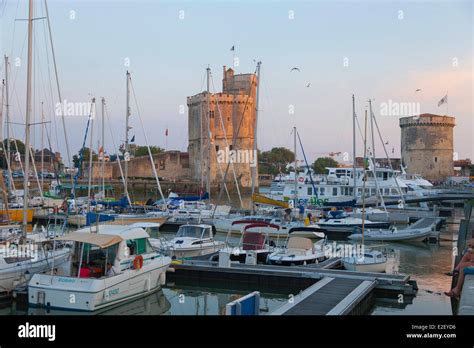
[(217, 148), (436, 159)]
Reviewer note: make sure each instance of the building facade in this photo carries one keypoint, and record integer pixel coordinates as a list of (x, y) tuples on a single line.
[(427, 145), (221, 130)]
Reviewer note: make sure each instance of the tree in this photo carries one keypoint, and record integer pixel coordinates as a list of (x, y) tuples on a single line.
[(321, 163), (143, 150), (13, 147), (85, 159), (275, 160)]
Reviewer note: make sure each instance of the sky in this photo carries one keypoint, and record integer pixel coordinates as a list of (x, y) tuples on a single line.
[(378, 50)]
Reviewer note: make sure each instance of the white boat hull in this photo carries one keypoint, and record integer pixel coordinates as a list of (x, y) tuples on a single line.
[(386, 235), (202, 250), (13, 273), (91, 294), (365, 267)]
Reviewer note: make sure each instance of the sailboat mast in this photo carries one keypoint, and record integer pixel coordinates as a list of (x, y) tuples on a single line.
[(296, 176), (91, 153), (254, 169), (364, 176), (27, 118), (42, 145), (208, 185), (103, 146), (354, 174), (126, 153)]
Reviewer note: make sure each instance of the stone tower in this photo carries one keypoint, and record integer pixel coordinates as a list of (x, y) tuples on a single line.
[(232, 123), (427, 145)]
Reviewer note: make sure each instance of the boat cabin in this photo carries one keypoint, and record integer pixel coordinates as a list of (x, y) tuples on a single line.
[(195, 231), (108, 252)]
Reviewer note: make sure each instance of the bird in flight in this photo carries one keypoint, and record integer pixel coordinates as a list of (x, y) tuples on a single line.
[(295, 68), (418, 90), (309, 84)]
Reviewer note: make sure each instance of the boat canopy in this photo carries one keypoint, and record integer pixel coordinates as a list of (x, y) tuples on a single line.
[(260, 224), (101, 240)]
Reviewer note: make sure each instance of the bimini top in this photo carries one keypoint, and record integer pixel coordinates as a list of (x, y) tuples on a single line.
[(108, 235)]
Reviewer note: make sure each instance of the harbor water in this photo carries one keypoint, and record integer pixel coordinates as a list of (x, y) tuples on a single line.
[(424, 262)]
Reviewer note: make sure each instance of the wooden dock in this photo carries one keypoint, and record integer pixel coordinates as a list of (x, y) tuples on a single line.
[(329, 296), (325, 290)]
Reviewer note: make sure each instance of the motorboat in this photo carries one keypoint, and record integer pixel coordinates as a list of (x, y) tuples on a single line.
[(110, 265), (309, 231), (157, 240), (254, 243), (412, 234), (194, 241), (233, 225), (299, 251), (338, 225), (370, 261)]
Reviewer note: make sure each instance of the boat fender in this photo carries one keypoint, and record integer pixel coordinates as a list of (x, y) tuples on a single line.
[(138, 262)]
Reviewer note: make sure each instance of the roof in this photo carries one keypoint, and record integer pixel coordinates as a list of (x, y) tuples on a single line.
[(108, 235), (101, 240)]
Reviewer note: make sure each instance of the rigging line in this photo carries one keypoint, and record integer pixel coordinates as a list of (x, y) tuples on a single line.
[(50, 85), (388, 157), (231, 164), (57, 82), (234, 136), (116, 149), (14, 27), (309, 171), (146, 141), (207, 120)]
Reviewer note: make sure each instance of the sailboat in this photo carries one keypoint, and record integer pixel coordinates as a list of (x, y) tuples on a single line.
[(369, 260), (38, 253)]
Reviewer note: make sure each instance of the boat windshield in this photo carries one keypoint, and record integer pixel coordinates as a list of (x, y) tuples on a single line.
[(191, 231)]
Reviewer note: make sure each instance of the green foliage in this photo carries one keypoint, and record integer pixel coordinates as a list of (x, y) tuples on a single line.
[(143, 150), (321, 163), (275, 160), (13, 148), (76, 158)]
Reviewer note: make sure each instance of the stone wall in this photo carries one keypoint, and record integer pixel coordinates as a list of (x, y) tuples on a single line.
[(170, 165), (427, 145), (231, 115)]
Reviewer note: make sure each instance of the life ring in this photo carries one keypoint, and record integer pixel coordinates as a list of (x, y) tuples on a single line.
[(301, 179), (138, 262)]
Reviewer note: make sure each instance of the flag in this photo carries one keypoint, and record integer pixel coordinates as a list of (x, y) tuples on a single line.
[(166, 133), (232, 48), (133, 139), (443, 100)]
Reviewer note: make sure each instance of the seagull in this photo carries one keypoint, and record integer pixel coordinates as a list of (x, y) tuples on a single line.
[(418, 90), (295, 68), (386, 143), (309, 84)]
